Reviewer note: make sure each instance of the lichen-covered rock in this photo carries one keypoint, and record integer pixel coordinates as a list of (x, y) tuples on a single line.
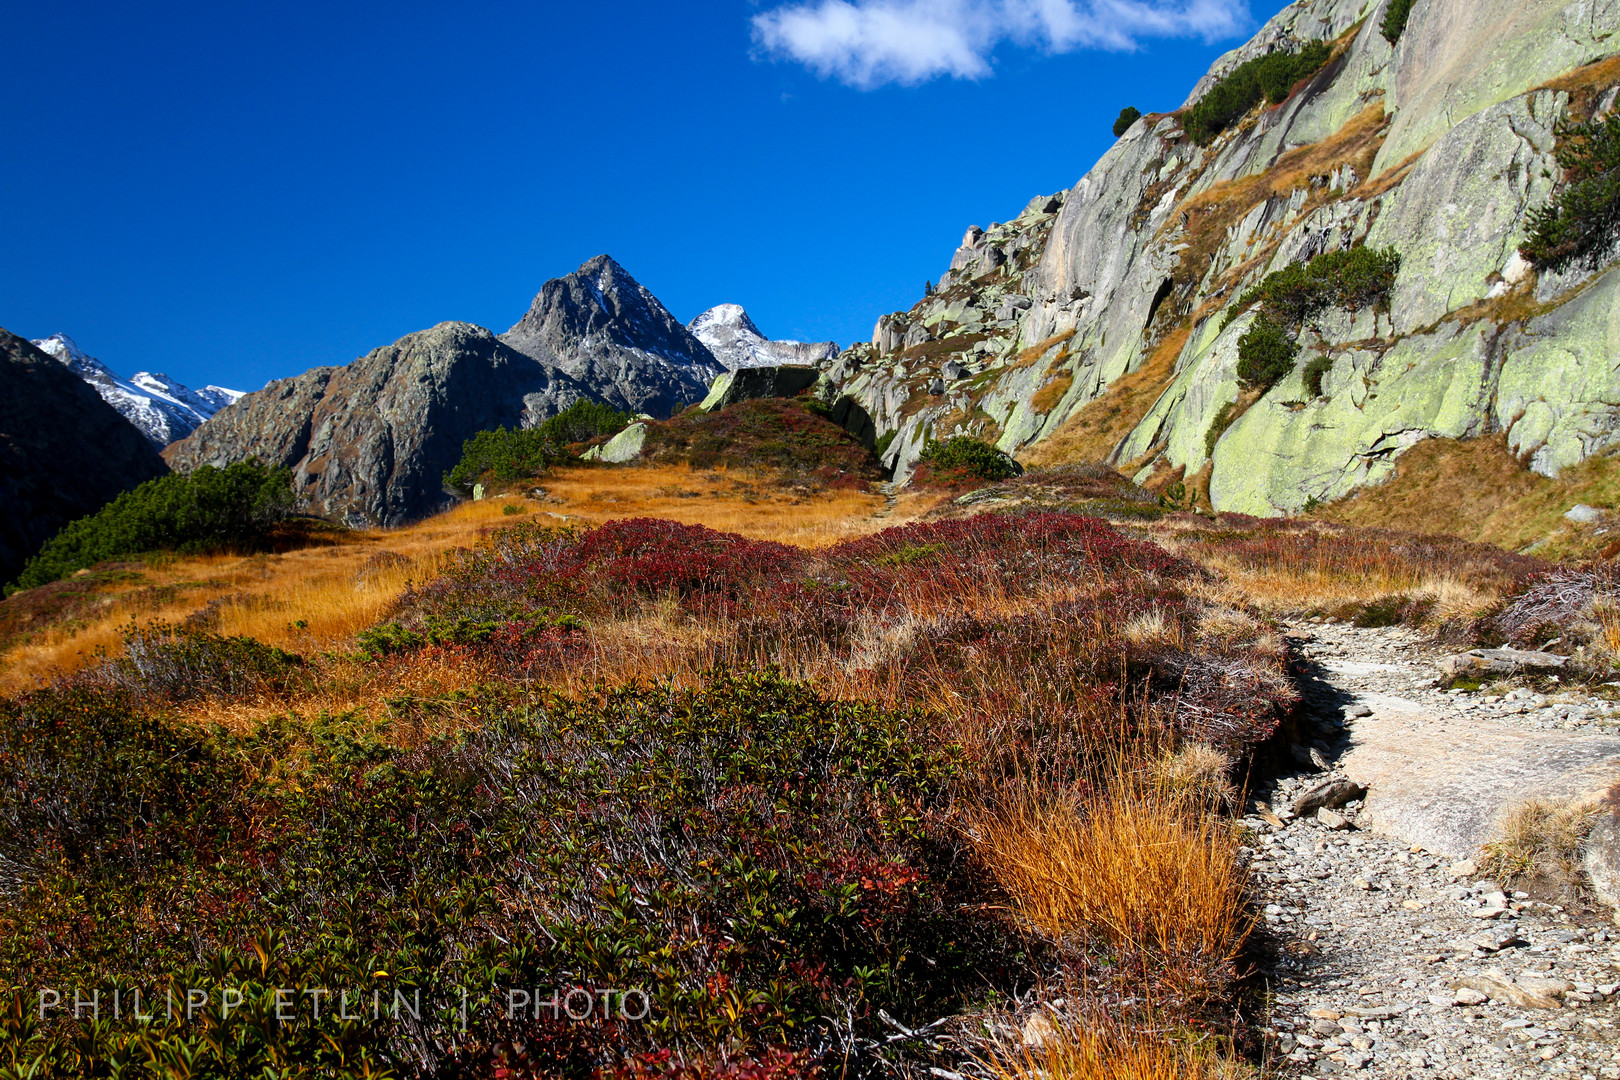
[(1558, 392), (747, 384)]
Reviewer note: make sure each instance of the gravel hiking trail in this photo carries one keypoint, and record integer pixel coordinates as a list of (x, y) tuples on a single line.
[(1393, 956)]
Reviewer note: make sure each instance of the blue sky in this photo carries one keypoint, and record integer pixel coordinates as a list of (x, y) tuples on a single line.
[(232, 193)]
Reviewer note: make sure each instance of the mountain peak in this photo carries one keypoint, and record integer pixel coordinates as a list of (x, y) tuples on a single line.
[(736, 342), (599, 324), (161, 408)]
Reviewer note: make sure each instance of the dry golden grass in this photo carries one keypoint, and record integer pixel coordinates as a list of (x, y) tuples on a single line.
[(1477, 490), (1092, 432), (1343, 573), (1140, 868), (1541, 840), (315, 599), (1098, 1052), (1048, 396)]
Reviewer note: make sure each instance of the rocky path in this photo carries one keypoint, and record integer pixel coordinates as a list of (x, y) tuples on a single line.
[(1395, 957)]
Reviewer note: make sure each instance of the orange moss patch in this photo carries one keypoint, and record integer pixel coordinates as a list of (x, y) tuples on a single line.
[(1047, 397), (1478, 490), (1092, 432)]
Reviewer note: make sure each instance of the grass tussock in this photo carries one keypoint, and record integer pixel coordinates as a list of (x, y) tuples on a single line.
[(1373, 578), (1543, 842), (1098, 1051), (1477, 490), (1136, 872)]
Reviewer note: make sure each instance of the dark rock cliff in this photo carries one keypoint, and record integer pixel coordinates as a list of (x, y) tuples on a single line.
[(605, 329), (64, 452)]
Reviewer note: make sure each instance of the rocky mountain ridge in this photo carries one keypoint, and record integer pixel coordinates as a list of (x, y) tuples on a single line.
[(161, 408), (369, 442), (64, 452), (1093, 325)]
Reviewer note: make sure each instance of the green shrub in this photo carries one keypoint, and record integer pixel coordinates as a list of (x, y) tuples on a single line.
[(1395, 20), (960, 454), (1271, 77), (884, 443), (229, 509), (184, 663), (1217, 427), (1314, 371), (1129, 115), (1266, 353), (584, 420), (1354, 278), (1580, 226), (505, 456)]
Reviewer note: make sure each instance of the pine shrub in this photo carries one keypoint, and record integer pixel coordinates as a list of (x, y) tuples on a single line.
[(1266, 353), (1129, 115), (1271, 77), (210, 509), (1580, 226), (971, 458), (1395, 17)]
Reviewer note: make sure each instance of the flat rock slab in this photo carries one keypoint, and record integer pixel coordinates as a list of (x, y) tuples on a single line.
[(1443, 781)]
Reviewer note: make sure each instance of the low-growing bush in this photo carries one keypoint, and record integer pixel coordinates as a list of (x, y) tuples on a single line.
[(961, 457), (1217, 427), (1315, 371), (504, 456), (1129, 115), (1266, 353), (1353, 278), (170, 664), (1394, 23), (210, 509), (764, 864), (1580, 225), (583, 421), (1271, 77)]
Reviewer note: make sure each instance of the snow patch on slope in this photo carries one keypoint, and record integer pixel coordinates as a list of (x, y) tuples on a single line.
[(164, 410), (736, 342)]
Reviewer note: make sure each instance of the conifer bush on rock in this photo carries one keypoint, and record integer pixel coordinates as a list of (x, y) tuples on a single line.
[(960, 457), (1129, 115), (1580, 226), (1394, 21), (1270, 77)]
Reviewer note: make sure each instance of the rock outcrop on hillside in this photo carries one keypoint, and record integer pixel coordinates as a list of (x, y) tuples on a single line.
[(603, 327), (1093, 325), (369, 443), (164, 410), (64, 452), (731, 336)]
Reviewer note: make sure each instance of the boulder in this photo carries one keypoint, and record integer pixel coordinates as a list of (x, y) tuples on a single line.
[(625, 446), (1330, 794), (1500, 662), (1581, 514), (746, 384), (1602, 860), (951, 371)]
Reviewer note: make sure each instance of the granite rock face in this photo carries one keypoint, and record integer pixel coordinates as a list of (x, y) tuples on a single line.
[(1094, 318), (604, 329), (369, 443), (733, 339), (64, 452)]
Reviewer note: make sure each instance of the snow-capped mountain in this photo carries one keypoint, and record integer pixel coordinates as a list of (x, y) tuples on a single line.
[(161, 408), (736, 342)]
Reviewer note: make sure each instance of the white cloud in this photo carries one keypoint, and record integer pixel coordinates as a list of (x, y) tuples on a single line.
[(866, 43)]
